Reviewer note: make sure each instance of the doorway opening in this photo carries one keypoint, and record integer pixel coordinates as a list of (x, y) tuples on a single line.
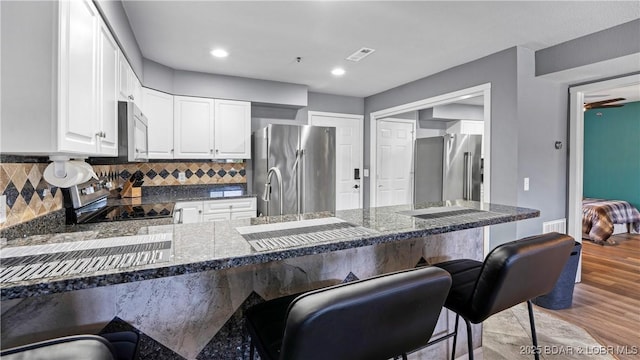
[(480, 92), (579, 96)]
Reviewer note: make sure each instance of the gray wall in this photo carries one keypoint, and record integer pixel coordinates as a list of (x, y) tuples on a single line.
[(336, 103), (190, 83), (499, 69), (542, 120), (113, 13), (604, 45)]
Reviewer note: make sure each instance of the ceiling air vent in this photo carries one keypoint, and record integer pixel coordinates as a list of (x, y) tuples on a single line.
[(360, 54)]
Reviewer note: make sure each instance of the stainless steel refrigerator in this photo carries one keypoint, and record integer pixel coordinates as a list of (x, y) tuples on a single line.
[(305, 159), (448, 167)]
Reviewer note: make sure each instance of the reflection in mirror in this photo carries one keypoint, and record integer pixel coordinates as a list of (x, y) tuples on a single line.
[(432, 154)]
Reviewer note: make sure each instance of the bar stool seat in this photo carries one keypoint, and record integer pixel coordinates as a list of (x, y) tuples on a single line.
[(376, 318)]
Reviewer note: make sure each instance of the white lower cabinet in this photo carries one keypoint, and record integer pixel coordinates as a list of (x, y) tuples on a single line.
[(214, 210), (188, 212)]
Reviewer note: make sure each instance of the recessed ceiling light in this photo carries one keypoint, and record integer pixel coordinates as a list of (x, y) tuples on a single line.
[(219, 53), (338, 71)]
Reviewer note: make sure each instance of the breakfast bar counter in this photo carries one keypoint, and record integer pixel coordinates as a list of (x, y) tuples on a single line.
[(185, 286)]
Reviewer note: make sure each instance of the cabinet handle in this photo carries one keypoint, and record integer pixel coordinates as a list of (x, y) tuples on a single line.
[(104, 134), (130, 97), (199, 211), (171, 150), (217, 151), (211, 150)]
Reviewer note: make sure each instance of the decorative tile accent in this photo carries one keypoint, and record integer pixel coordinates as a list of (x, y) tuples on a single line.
[(232, 341), (196, 173), (422, 262), (148, 348), (350, 277)]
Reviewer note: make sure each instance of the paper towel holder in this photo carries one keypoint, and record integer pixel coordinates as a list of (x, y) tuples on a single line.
[(59, 165)]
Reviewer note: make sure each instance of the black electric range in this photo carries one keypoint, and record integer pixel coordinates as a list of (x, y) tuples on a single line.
[(87, 204)]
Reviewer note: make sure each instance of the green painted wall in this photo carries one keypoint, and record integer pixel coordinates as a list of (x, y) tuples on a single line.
[(612, 153)]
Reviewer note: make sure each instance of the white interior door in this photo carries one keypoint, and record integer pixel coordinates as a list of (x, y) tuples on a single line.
[(348, 156), (394, 162)]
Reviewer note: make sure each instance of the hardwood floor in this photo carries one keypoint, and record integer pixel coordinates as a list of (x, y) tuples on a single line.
[(607, 301)]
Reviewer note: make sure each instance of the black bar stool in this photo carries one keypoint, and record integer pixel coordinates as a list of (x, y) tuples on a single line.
[(512, 273), (376, 318), (115, 346)]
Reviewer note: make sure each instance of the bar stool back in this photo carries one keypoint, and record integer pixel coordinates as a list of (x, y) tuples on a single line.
[(376, 318), (512, 273)]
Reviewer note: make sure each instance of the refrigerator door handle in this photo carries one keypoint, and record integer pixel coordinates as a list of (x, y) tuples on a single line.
[(468, 178), (301, 188)]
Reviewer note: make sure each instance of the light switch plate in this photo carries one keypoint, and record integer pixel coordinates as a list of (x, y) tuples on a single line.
[(3, 208), (526, 184)]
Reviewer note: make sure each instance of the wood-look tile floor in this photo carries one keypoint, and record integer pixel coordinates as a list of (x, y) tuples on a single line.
[(607, 301)]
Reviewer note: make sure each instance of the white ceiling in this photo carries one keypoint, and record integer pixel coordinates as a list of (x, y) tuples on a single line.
[(412, 39), (628, 93)]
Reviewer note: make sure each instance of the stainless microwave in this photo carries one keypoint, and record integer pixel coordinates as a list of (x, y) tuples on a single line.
[(133, 138)]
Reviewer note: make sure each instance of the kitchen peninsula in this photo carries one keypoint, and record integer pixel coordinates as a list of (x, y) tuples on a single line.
[(191, 299)]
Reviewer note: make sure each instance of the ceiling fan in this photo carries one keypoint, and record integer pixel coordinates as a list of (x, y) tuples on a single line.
[(603, 104)]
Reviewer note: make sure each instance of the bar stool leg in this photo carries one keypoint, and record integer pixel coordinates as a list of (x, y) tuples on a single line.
[(455, 338), (251, 350), (469, 339), (536, 350)]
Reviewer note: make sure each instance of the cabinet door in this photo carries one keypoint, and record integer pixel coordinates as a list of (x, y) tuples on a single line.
[(124, 82), (136, 92), (232, 129), (158, 108), (193, 128), (108, 92), (188, 212), (78, 112)]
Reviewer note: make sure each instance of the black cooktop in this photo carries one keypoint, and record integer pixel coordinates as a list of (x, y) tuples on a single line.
[(128, 212)]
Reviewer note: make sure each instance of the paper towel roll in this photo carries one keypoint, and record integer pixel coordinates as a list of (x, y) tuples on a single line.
[(74, 174)]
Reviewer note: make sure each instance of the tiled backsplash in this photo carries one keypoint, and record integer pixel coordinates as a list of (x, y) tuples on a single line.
[(29, 196)]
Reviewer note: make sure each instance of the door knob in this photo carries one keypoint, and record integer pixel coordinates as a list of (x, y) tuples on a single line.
[(356, 186)]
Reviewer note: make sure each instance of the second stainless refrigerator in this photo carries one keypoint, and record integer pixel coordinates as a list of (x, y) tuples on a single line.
[(448, 167), (304, 159)]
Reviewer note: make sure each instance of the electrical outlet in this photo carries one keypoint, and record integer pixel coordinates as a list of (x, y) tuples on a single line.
[(3, 208), (526, 184), (182, 177)]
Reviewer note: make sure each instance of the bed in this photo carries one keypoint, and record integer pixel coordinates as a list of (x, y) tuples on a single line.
[(599, 215)]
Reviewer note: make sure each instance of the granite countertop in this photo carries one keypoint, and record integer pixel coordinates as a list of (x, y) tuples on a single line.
[(192, 248), (172, 194)]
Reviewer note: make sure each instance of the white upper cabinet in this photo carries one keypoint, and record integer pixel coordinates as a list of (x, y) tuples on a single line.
[(193, 127), (79, 127), (130, 88), (125, 79), (232, 130), (108, 92), (82, 118), (158, 108)]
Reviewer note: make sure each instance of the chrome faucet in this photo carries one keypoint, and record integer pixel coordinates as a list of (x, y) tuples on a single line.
[(266, 195)]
